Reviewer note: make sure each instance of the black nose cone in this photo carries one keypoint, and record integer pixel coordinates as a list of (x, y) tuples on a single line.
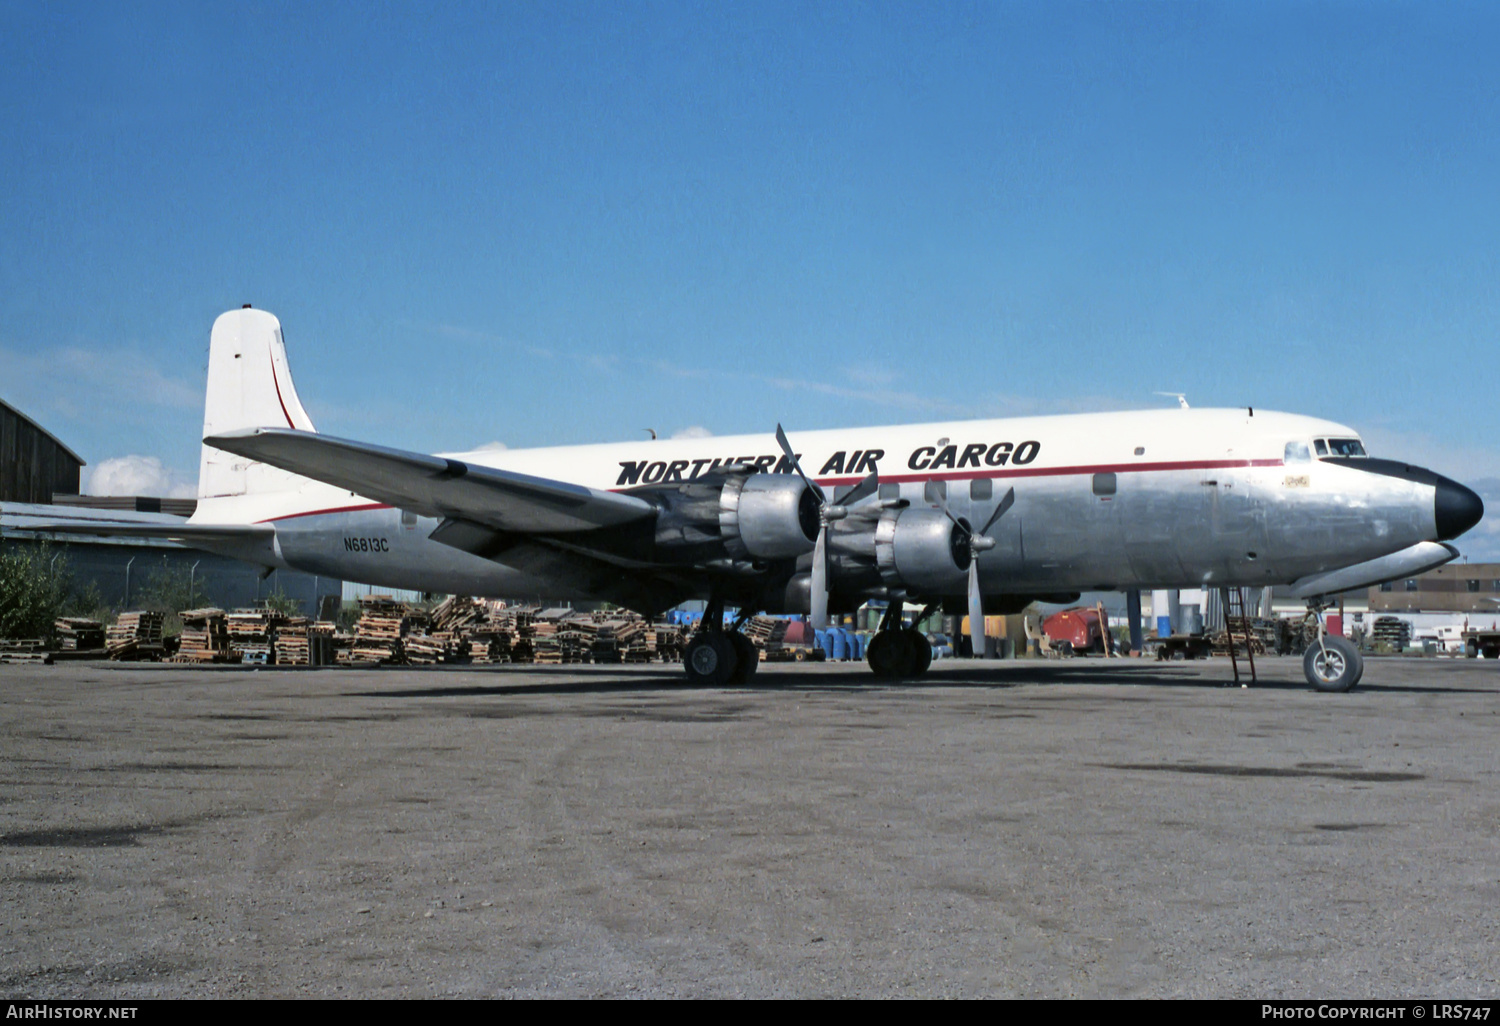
[(1455, 508)]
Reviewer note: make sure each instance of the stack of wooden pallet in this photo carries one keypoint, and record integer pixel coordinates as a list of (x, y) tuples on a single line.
[(664, 641), (484, 648), (546, 649), (205, 638), (767, 634), (377, 636), (630, 640), (458, 614), (77, 634), (291, 644), (422, 649), (135, 635), (252, 633), (25, 650)]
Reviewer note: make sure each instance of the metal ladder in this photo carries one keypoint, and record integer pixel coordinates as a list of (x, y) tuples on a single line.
[(1235, 597)]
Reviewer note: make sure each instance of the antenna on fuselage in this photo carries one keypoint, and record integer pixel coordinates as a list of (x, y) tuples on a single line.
[(1181, 397)]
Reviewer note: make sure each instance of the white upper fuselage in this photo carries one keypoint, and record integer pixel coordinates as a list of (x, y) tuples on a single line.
[(1137, 441)]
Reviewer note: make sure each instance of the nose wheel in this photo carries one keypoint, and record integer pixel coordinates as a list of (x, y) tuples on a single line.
[(1331, 663)]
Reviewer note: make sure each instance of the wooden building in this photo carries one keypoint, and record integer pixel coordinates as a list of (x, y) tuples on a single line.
[(34, 466)]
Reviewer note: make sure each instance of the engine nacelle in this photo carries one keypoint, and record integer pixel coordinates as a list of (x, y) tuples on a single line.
[(768, 516), (738, 517), (921, 551)]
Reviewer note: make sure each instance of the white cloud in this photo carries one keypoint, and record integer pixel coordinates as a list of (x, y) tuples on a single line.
[(138, 475), (696, 431), (490, 447)]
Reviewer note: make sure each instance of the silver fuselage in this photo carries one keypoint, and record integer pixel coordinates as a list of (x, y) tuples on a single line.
[(1165, 528)]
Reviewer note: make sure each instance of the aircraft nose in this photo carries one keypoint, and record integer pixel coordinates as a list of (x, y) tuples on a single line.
[(1455, 508)]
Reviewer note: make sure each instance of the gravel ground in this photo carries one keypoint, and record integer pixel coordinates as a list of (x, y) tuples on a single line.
[(1084, 828)]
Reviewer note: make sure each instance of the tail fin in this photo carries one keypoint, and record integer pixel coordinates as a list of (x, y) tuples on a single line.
[(249, 385)]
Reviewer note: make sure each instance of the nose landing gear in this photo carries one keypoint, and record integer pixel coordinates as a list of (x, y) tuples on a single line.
[(1331, 663)]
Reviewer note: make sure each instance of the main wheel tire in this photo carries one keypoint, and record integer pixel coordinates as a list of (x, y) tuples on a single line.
[(747, 659), (1336, 665), (920, 652), (710, 660), (889, 654)]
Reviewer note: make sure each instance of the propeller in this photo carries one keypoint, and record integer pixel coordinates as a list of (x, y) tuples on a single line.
[(828, 512), (979, 541)]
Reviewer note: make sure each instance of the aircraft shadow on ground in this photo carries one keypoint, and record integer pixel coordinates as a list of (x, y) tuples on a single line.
[(583, 680)]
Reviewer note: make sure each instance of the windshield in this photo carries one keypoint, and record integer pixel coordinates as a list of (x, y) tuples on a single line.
[(1346, 447)]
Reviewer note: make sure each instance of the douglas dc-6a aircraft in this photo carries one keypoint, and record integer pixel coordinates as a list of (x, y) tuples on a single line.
[(986, 515)]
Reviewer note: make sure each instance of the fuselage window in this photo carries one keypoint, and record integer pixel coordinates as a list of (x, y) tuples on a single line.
[(408, 519), (935, 491), (1346, 447), (1321, 446), (1104, 484), (1297, 452), (890, 490), (981, 489)]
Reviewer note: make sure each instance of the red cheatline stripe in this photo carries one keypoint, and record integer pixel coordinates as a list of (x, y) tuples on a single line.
[(320, 512), (275, 381)]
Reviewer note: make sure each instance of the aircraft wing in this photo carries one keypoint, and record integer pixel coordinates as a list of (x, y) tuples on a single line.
[(435, 485)]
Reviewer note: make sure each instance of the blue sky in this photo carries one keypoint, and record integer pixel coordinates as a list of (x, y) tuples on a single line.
[(552, 223)]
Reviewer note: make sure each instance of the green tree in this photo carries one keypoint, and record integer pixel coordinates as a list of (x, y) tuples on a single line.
[(170, 591), (34, 585), (280, 602)]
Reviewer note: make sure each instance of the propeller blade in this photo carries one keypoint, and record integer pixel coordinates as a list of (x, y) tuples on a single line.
[(869, 486), (976, 611), (786, 447), (1005, 503), (942, 504), (819, 600)]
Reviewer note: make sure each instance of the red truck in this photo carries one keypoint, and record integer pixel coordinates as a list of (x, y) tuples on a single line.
[(1075, 631)]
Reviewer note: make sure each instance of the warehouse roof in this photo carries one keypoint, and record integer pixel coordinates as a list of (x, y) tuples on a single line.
[(55, 441)]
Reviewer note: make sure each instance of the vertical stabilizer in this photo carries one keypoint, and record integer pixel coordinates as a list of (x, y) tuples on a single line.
[(249, 385)]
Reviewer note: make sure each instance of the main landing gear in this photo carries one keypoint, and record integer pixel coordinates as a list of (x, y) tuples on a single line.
[(1331, 663), (897, 652), (716, 658)]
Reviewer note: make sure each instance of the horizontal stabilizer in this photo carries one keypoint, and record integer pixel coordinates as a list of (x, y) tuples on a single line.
[(126, 529), (435, 485)]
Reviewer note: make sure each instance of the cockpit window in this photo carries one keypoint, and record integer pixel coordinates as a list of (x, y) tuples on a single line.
[(1346, 447), (1297, 452), (1321, 446)]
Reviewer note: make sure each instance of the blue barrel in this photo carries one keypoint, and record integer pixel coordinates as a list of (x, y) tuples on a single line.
[(840, 647)]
